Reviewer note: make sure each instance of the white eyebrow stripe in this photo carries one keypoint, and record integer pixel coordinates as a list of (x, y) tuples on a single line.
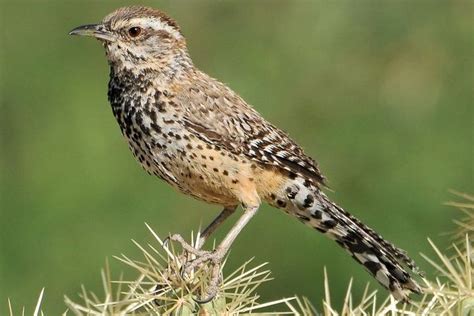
[(156, 24)]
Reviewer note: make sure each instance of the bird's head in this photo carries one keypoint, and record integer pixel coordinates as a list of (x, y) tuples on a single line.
[(137, 37)]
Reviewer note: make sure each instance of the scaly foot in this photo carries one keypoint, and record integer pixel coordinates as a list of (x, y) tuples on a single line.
[(215, 258)]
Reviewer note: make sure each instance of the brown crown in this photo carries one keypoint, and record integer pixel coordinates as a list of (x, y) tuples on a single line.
[(127, 13)]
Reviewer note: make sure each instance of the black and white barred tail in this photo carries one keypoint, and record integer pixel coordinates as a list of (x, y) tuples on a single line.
[(381, 258)]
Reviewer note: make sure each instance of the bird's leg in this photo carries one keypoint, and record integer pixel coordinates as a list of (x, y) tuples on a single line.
[(226, 212), (215, 257), (223, 215)]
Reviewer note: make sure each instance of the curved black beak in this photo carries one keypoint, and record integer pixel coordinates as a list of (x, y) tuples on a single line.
[(94, 30)]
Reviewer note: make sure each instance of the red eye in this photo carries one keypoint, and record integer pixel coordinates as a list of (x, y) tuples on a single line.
[(134, 31)]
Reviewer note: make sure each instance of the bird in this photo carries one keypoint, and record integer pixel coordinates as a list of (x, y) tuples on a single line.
[(203, 139)]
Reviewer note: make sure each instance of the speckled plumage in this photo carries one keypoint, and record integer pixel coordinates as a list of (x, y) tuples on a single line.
[(203, 139)]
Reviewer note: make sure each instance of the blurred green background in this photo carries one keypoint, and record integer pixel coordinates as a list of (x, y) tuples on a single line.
[(379, 93)]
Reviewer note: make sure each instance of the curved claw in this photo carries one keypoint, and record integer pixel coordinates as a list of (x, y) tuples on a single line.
[(166, 241), (211, 293), (182, 270), (213, 287), (205, 300), (186, 268)]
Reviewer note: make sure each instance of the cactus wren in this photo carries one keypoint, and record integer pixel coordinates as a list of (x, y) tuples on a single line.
[(202, 138)]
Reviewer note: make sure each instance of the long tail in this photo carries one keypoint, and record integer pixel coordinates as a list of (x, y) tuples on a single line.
[(381, 258)]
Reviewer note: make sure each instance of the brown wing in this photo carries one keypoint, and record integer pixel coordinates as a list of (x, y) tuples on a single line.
[(217, 114)]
